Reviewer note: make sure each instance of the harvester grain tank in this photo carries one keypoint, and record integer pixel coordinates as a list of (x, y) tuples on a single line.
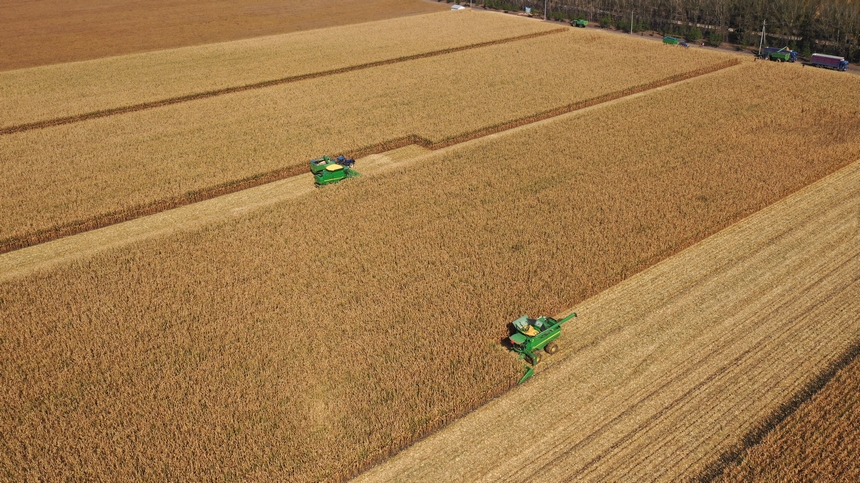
[(535, 335), (328, 171), (779, 54), (828, 61)]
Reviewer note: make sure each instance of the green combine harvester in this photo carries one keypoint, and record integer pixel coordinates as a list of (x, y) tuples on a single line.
[(534, 335), (328, 171), (581, 23), (671, 40), (783, 54)]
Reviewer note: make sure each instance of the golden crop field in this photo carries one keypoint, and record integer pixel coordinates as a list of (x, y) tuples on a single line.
[(308, 340), (55, 31), (72, 89), (818, 442), (63, 179), (663, 376)]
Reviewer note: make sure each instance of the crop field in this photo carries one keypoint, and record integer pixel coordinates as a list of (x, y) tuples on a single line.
[(146, 161), (819, 442), (675, 366), (54, 31), (310, 339), (71, 90)]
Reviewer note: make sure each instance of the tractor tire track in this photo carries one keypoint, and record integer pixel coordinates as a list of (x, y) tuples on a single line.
[(706, 352), (133, 212)]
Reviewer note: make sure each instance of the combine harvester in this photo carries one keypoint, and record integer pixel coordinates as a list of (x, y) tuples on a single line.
[(581, 23), (829, 62), (783, 54), (533, 335), (326, 171)]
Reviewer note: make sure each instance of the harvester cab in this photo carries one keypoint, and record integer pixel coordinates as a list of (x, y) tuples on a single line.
[(326, 171), (536, 335)]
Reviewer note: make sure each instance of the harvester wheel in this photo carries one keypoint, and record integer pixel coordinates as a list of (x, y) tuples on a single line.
[(535, 358), (551, 348)]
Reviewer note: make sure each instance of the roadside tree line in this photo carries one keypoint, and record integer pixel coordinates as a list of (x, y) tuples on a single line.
[(828, 26)]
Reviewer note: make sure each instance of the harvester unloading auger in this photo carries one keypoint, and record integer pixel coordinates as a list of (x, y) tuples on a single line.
[(534, 335)]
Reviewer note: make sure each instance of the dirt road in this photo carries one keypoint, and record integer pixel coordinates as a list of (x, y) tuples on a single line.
[(668, 370)]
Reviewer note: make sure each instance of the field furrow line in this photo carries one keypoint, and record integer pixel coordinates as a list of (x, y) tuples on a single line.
[(774, 411), (261, 85), (550, 455), (791, 330), (764, 339)]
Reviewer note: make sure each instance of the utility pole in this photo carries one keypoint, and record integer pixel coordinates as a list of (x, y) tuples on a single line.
[(631, 22), (761, 42), (544, 9)]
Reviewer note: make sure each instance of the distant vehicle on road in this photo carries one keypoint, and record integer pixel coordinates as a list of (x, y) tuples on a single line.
[(828, 61)]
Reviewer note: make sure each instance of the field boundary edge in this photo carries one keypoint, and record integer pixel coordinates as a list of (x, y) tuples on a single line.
[(130, 213), (59, 121), (767, 425)]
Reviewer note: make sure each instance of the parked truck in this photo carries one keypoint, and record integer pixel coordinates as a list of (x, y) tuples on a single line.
[(779, 54), (828, 61)]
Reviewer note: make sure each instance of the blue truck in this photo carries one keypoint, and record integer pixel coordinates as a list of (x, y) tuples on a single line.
[(828, 61)]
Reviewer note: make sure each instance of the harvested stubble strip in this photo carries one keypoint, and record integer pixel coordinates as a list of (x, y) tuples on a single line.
[(67, 90), (308, 340), (817, 442), (95, 169)]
